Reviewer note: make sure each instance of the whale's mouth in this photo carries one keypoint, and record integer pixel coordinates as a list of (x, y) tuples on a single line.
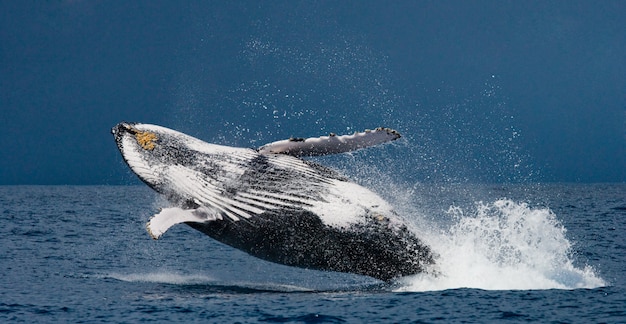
[(120, 130), (123, 127)]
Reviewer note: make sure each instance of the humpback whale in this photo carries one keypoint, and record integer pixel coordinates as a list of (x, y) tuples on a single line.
[(274, 205)]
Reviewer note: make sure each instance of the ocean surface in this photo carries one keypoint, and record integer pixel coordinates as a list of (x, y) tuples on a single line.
[(506, 253)]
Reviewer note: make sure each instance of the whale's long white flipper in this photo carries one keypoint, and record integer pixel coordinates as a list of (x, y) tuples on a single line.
[(168, 217), (331, 144)]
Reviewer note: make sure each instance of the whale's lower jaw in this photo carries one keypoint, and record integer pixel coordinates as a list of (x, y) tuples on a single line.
[(300, 239)]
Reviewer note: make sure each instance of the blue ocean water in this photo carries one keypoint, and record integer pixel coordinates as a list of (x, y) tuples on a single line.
[(546, 253)]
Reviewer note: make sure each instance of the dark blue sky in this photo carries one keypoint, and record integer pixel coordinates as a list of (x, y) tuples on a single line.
[(483, 91)]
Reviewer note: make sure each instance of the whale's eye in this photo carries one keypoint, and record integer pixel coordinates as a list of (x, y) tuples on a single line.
[(146, 140)]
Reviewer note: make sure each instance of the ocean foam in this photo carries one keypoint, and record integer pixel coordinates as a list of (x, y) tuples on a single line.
[(503, 245)]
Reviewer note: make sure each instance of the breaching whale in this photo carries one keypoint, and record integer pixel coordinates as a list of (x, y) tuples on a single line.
[(272, 204)]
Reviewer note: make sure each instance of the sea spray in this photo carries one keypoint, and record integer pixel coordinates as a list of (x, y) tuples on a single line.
[(503, 245)]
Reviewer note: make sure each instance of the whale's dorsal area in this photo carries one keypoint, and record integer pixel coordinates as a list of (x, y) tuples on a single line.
[(331, 144)]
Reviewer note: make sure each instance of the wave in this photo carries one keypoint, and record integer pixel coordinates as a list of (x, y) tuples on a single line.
[(163, 277), (208, 283)]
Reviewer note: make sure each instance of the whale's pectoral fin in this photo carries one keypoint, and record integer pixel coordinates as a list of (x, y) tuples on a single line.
[(169, 217), (330, 144)]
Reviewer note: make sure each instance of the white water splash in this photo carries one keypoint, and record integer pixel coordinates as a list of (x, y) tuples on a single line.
[(503, 246)]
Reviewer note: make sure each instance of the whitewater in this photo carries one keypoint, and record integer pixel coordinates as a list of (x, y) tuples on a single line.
[(503, 245)]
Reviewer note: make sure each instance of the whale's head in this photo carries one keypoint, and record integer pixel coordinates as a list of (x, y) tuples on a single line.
[(171, 162), (149, 150)]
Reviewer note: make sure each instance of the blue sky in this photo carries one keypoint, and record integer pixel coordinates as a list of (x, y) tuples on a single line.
[(501, 91)]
